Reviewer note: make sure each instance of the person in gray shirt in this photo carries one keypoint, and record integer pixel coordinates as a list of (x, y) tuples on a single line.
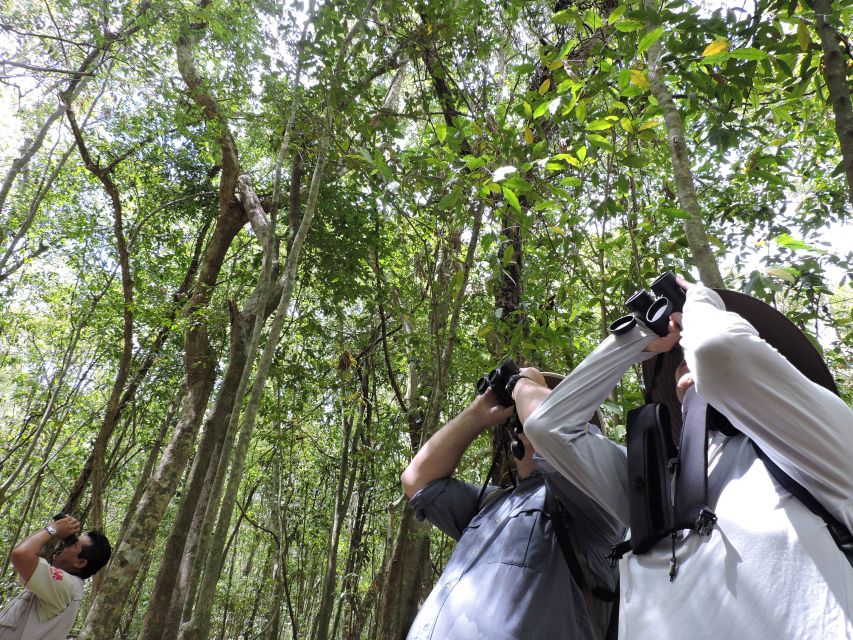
[(507, 578)]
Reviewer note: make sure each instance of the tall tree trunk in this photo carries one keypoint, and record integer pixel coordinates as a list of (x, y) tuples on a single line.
[(150, 460), (178, 298), (837, 80), (343, 495), (694, 227), (198, 626), (405, 580), (200, 364), (155, 625)]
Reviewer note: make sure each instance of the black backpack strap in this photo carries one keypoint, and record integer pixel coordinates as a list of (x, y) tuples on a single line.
[(691, 483), (840, 534), (612, 632), (650, 455), (578, 567), (561, 520)]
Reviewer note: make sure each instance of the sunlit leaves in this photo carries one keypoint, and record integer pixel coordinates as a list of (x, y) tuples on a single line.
[(649, 39), (511, 198), (803, 37), (639, 78), (717, 46)]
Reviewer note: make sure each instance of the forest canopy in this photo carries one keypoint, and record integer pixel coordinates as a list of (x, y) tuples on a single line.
[(254, 253)]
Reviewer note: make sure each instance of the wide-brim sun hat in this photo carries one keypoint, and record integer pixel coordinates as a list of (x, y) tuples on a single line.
[(772, 326)]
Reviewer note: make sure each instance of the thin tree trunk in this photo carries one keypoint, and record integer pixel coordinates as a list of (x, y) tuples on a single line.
[(157, 624), (694, 227), (111, 414), (402, 590), (150, 460), (343, 494), (198, 626), (178, 298)]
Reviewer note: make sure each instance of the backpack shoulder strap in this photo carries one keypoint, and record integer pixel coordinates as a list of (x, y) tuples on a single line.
[(840, 534), (561, 520)]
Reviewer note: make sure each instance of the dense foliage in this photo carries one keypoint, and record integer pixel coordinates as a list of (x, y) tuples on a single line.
[(473, 179)]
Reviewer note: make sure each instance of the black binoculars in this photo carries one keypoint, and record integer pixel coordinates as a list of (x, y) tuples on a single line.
[(501, 380), (653, 311), (68, 540)]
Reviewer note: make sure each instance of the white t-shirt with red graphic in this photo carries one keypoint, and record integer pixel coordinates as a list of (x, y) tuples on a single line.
[(47, 607)]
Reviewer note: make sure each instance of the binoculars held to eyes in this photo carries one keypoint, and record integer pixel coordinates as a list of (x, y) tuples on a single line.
[(652, 310), (501, 380), (68, 540)]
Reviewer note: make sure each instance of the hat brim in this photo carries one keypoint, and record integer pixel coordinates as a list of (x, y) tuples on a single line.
[(772, 326)]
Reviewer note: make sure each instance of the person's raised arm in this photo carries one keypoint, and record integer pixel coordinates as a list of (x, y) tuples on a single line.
[(439, 456), (25, 557), (556, 422), (804, 428)]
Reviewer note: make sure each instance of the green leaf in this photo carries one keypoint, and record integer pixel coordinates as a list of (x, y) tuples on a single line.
[(803, 37), (617, 13), (382, 166), (628, 25), (542, 109), (441, 131), (592, 19), (580, 111), (749, 53), (600, 141), (675, 212), (785, 240), (600, 125), (518, 185), (565, 16), (512, 199), (649, 39), (788, 274), (450, 199), (473, 162)]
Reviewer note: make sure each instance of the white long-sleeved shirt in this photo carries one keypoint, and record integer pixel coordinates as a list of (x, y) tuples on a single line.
[(769, 569)]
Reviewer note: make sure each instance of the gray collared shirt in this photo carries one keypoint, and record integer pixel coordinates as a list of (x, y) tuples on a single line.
[(507, 577)]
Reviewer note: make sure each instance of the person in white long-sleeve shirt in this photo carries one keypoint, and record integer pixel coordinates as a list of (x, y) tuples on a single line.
[(769, 568)]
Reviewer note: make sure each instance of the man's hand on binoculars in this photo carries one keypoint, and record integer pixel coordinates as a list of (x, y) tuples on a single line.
[(489, 411), (662, 345), (67, 526)]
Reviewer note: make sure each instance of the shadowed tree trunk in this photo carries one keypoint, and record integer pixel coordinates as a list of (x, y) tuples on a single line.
[(837, 80), (199, 624)]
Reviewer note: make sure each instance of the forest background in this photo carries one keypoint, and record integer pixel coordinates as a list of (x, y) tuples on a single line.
[(253, 253)]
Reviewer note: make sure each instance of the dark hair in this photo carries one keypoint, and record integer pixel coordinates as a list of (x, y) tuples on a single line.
[(96, 554)]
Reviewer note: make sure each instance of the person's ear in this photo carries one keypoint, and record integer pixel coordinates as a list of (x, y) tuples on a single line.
[(79, 563)]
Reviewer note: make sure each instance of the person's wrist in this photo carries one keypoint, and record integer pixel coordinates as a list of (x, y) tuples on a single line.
[(51, 530)]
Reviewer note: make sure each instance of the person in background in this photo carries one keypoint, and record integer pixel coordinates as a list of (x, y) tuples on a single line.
[(48, 604)]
